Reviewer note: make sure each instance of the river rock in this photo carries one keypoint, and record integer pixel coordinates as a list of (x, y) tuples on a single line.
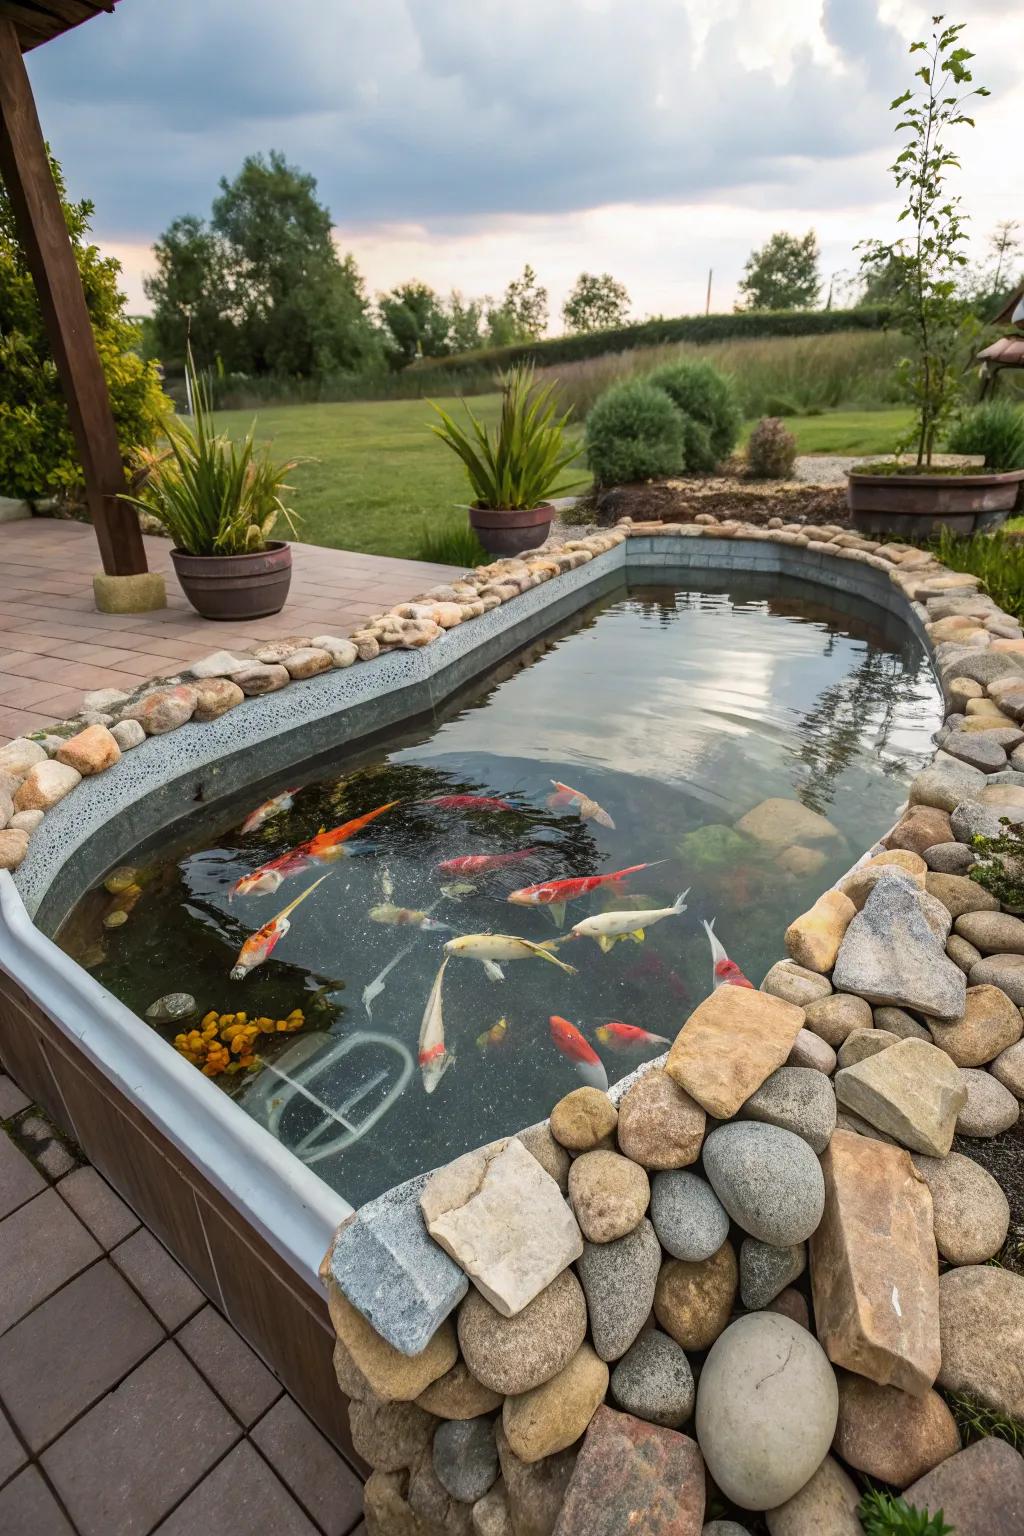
[(432, 1504), (768, 1179), (389, 1436), (911, 1091), (950, 858), (128, 734), (731, 1042), (215, 696), (813, 939), (693, 1302), (990, 1108), (792, 1304), (514, 1354), (827, 1503), (660, 1126), (795, 984), (766, 1410), (992, 932), (975, 748), (944, 786), (630, 1471), (961, 953), (492, 1515), (13, 848), (91, 751), (959, 895), (799, 1099), (863, 1043), (163, 710), (172, 1007), (1008, 1069), (980, 1490), (874, 1265), (1003, 971), (971, 820), (19, 755), (618, 1281), (809, 1051), (553, 1416), (766, 1270), (465, 1458), (504, 1222), (970, 1213), (535, 1490), (990, 1024), (891, 956), (899, 1023), (688, 1216), (609, 1195), (984, 668), (386, 1506), (394, 1376), (863, 878), (555, 1160), (653, 1380), (919, 828), (458, 1395), (583, 1119), (834, 1018), (981, 1316), (45, 785), (890, 1435), (780, 822)]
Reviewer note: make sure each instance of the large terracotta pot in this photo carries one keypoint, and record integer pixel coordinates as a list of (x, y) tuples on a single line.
[(509, 533), (236, 586), (919, 505)]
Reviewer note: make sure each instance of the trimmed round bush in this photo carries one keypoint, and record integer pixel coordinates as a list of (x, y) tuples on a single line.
[(707, 398), (634, 432), (771, 451), (996, 429)]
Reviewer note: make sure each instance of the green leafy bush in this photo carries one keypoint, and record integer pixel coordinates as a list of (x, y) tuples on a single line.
[(706, 397), (771, 450), (635, 432), (883, 1515), (994, 428), (38, 456)]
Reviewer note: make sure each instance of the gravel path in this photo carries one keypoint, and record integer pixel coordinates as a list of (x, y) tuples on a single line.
[(824, 468)]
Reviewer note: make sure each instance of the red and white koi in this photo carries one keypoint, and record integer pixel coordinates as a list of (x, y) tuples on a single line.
[(480, 863), (554, 894), (434, 1057), (272, 807), (262, 881), (724, 972), (259, 945), (490, 948), (407, 917), (628, 1037), (571, 1043), (566, 798), (468, 803), (494, 1038), (608, 928), (326, 846)]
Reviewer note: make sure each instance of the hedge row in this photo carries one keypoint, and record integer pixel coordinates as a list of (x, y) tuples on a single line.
[(649, 333)]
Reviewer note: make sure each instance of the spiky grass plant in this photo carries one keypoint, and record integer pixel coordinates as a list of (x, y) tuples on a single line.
[(882, 1514), (452, 544), (977, 1422)]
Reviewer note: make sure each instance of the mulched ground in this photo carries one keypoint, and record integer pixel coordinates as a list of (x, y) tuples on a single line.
[(725, 496)]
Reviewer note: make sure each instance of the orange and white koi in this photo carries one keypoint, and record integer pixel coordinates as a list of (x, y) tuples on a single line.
[(627, 1037), (571, 1043), (262, 881), (554, 894), (567, 798), (272, 807), (259, 945), (434, 1057), (407, 917), (468, 803), (494, 1038), (724, 972), (489, 948), (326, 846), (609, 927), (480, 863)]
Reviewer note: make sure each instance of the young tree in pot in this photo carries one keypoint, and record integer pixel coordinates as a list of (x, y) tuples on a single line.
[(924, 271), (218, 501), (515, 469)]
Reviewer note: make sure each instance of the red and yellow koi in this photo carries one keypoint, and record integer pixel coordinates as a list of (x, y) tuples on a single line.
[(724, 972), (272, 807), (494, 1038), (554, 894), (259, 945), (566, 798), (628, 1037), (571, 1043), (480, 863)]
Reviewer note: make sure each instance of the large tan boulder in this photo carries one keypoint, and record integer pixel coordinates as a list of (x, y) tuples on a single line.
[(813, 939), (911, 1090), (392, 1376), (730, 1044), (553, 1416)]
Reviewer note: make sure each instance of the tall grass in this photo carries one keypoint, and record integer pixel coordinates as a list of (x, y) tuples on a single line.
[(997, 559), (453, 543), (772, 376)]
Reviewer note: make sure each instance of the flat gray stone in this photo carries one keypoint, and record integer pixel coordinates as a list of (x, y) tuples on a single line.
[(949, 858), (985, 667), (618, 1280), (891, 956), (1003, 971), (863, 1043), (465, 1458), (990, 1108), (975, 748), (386, 1264), (688, 1216), (970, 819), (766, 1270), (896, 1021), (911, 1091), (799, 1099), (944, 787), (768, 1179), (971, 1215), (653, 1380)]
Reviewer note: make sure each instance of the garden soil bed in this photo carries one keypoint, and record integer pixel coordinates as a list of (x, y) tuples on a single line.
[(726, 496)]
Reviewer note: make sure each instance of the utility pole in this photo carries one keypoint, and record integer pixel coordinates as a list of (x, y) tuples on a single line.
[(707, 302)]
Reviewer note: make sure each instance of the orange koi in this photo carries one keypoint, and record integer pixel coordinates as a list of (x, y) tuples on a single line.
[(554, 894), (565, 798), (724, 972), (627, 1037), (327, 845), (571, 1043), (268, 877), (480, 863), (272, 807), (259, 945)]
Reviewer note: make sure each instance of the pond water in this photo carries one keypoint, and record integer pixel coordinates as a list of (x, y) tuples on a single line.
[(746, 740)]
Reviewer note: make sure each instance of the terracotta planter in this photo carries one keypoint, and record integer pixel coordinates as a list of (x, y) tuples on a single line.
[(919, 505), (509, 533), (236, 586)]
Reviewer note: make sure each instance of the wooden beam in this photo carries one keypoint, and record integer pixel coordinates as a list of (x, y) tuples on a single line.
[(38, 219)]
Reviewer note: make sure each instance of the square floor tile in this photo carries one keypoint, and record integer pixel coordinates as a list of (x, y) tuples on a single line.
[(233, 1370), (321, 1481), (125, 1465), (19, 1180), (42, 1245), (241, 1495), (97, 1206), (159, 1279), (12, 1100), (62, 1357), (49, 1151), (12, 1452), (28, 1508)]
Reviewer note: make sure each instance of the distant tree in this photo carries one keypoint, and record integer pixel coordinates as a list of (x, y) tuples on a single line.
[(465, 322), (191, 294), (783, 274), (523, 312), (596, 303), (882, 284), (990, 283), (415, 323)]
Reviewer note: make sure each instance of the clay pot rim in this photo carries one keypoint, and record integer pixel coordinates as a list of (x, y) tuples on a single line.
[(981, 479)]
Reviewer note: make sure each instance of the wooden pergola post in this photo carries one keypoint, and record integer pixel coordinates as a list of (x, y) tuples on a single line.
[(25, 168)]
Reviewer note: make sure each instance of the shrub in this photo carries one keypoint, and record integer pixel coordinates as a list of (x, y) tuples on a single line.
[(994, 428), (454, 543), (771, 450), (707, 397), (635, 432)]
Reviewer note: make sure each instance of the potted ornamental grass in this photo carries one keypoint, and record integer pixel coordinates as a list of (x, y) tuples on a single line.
[(912, 495), (219, 502), (513, 470)]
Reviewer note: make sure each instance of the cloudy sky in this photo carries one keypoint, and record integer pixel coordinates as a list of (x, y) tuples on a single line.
[(455, 140)]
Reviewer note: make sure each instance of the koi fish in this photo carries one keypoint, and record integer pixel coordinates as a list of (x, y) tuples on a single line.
[(374, 988), (458, 889), (468, 803), (262, 881), (627, 1037), (571, 1043), (434, 1058), (491, 947), (269, 808), (609, 927), (566, 798), (492, 1039), (554, 894), (259, 945), (407, 917), (725, 972), (480, 863), (387, 885), (328, 845)]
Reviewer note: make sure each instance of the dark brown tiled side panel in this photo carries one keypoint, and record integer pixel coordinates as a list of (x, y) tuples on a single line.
[(285, 1321)]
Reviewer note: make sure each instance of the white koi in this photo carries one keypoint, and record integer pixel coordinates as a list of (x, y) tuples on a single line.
[(491, 947), (608, 928), (408, 917), (434, 1058), (374, 988)]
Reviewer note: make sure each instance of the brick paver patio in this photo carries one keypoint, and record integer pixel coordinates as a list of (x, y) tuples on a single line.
[(54, 645), (128, 1404)]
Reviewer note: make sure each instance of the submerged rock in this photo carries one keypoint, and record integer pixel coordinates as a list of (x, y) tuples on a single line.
[(780, 822), (172, 1007)]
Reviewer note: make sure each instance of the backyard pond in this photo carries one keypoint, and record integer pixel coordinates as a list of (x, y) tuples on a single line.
[(730, 746)]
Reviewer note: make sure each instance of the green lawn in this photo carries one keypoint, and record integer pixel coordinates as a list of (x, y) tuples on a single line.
[(375, 478)]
